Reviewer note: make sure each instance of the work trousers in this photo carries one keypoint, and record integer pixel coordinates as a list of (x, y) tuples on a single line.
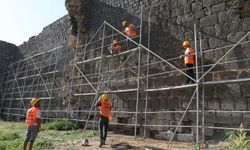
[(103, 130), (189, 72)]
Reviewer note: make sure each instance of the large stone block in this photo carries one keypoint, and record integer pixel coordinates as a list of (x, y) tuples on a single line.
[(213, 103), (223, 118), (208, 21), (240, 104), (235, 37), (185, 137), (210, 117), (197, 6), (199, 14), (237, 118), (229, 16), (218, 8), (246, 24), (246, 118), (215, 42)]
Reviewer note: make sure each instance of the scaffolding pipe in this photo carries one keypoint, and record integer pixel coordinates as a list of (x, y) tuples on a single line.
[(151, 52), (197, 85), (138, 74), (203, 90), (146, 102), (182, 117), (224, 55)]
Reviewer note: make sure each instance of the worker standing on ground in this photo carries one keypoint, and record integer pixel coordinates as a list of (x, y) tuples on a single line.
[(188, 60), (130, 32), (115, 47), (33, 122), (104, 107)]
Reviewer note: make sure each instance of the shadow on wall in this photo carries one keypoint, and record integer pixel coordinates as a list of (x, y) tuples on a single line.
[(9, 53)]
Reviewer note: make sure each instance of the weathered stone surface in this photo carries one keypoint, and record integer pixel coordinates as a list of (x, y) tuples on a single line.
[(172, 22), (208, 21), (197, 6), (218, 8), (185, 137), (228, 16), (215, 42)]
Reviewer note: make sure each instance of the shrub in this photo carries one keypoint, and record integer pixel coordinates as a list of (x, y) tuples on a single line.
[(4, 136), (43, 144), (238, 140), (61, 125)]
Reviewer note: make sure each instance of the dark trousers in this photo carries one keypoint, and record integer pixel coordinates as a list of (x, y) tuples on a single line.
[(189, 72), (103, 130)]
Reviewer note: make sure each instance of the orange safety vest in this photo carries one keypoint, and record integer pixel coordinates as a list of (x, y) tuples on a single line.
[(130, 31), (190, 58), (105, 109), (31, 116)]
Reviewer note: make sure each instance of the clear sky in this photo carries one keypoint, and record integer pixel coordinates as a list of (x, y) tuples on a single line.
[(21, 19)]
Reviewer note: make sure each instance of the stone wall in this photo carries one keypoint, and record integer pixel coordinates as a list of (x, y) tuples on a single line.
[(221, 22)]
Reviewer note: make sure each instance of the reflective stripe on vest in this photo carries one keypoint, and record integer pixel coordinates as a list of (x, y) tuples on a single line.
[(105, 109), (130, 31), (190, 58), (31, 116)]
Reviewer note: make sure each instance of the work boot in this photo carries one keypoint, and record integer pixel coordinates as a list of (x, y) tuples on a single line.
[(100, 145)]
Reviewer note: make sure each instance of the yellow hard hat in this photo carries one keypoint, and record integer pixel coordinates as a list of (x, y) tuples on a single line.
[(34, 101), (186, 43), (104, 97), (115, 41), (124, 23)]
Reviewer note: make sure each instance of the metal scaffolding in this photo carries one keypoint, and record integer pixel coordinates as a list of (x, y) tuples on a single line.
[(130, 78)]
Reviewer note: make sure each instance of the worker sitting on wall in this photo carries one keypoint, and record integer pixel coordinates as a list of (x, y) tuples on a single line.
[(33, 121), (105, 117), (130, 32), (189, 61), (115, 47)]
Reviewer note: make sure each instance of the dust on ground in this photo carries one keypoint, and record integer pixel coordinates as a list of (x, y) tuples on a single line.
[(136, 144)]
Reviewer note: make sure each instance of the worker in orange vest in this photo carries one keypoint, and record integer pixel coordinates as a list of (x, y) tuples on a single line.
[(130, 32), (33, 121), (188, 60), (105, 117), (115, 47)]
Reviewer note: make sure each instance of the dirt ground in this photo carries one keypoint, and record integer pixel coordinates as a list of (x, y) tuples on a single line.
[(137, 144)]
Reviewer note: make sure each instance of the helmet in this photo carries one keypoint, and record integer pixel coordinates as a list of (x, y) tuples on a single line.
[(124, 23), (186, 43), (104, 97), (34, 101), (115, 41)]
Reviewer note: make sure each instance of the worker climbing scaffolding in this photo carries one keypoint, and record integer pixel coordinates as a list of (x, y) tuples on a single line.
[(130, 32)]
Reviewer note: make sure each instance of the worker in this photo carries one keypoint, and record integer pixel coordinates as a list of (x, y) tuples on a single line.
[(33, 121), (115, 47), (188, 60), (105, 117), (130, 32)]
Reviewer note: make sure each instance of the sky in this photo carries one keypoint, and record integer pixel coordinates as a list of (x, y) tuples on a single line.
[(22, 19)]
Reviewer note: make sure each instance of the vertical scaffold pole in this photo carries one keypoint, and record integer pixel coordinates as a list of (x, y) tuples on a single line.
[(146, 100), (203, 91), (197, 84), (100, 70), (138, 74)]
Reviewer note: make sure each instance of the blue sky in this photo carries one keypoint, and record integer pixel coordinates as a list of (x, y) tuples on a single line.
[(21, 19)]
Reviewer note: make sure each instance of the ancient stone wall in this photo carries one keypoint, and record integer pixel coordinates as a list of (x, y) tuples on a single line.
[(221, 22)]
